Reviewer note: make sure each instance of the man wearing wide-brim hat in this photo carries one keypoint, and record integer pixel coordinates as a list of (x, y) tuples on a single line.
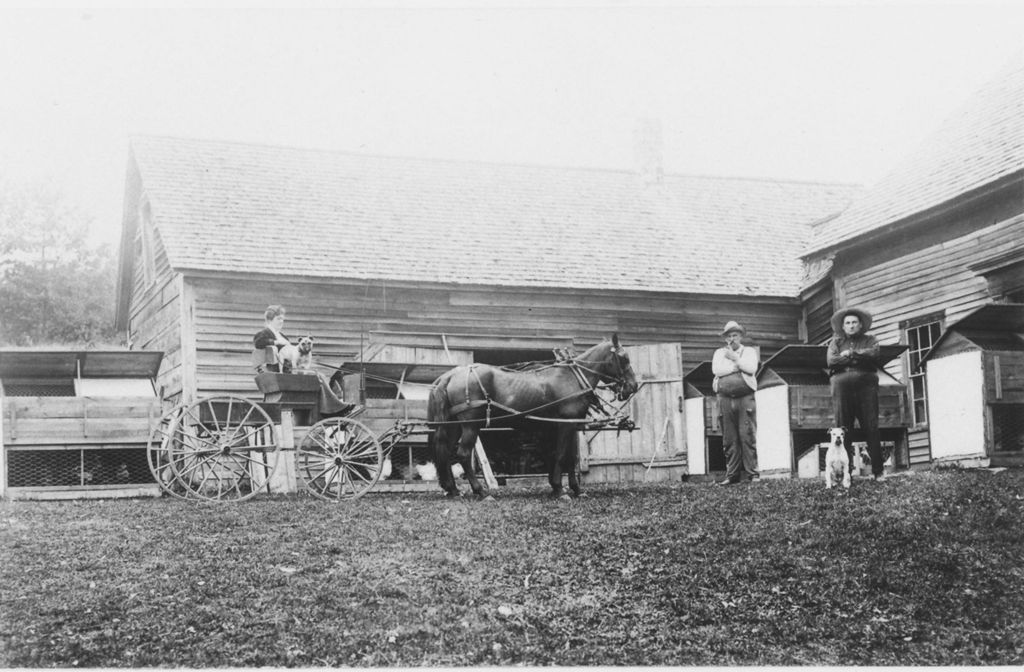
[(734, 367), (853, 363)]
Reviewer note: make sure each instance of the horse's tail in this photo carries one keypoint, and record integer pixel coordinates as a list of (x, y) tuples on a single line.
[(439, 411)]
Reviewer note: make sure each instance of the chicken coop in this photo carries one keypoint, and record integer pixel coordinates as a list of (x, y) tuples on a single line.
[(794, 412), (703, 422), (75, 424), (975, 389)]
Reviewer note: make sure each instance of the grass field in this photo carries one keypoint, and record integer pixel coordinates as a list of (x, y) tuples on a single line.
[(924, 569)]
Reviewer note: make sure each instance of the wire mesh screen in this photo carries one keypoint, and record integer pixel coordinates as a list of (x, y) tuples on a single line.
[(1008, 428), (58, 388), (77, 468), (412, 462), (116, 467), (381, 391)]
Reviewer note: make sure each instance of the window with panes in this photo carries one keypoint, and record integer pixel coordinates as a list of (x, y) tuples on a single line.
[(920, 337)]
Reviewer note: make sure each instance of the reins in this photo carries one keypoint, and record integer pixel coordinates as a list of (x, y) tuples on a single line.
[(576, 366)]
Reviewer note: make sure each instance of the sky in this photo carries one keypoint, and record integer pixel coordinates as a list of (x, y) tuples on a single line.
[(814, 91)]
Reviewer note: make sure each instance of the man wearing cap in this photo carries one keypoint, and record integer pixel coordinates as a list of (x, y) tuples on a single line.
[(853, 362), (734, 367)]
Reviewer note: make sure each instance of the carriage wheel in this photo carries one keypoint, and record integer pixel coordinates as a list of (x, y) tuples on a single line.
[(218, 448), (339, 459)]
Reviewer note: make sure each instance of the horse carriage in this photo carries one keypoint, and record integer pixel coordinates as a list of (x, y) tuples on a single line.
[(229, 448)]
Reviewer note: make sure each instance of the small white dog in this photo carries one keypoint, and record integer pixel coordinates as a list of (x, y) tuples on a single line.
[(837, 461)]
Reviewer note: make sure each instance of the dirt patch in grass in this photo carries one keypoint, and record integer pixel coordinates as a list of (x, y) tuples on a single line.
[(925, 569)]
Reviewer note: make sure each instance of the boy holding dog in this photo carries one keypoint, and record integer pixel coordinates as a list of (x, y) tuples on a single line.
[(853, 363)]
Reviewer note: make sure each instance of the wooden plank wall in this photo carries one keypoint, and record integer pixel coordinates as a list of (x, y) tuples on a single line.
[(341, 315), (93, 422), (818, 310), (924, 274), (1004, 377)]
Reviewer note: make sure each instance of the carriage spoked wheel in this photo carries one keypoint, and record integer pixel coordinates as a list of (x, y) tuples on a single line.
[(339, 458), (221, 448)]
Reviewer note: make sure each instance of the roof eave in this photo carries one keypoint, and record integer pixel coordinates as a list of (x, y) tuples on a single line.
[(960, 201)]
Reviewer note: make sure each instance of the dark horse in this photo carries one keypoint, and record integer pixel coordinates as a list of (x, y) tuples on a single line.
[(467, 398)]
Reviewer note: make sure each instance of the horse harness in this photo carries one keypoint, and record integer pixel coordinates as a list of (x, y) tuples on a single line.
[(586, 389)]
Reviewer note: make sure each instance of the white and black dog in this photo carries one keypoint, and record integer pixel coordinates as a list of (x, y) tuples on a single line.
[(837, 460), (297, 357)]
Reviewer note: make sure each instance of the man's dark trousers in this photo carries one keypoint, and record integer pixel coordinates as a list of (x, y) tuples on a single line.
[(855, 397), (739, 432)]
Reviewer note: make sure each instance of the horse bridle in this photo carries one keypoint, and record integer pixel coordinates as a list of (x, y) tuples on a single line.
[(618, 380)]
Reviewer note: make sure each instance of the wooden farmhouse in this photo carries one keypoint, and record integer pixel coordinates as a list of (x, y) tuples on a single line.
[(396, 261), (938, 238), (402, 262)]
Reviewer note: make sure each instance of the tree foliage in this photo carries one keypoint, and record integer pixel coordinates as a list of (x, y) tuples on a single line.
[(55, 286)]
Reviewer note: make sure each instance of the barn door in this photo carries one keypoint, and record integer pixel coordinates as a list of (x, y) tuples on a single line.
[(656, 450)]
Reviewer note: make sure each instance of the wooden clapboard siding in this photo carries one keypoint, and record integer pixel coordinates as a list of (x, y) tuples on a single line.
[(154, 319), (818, 307), (345, 316), (920, 449), (934, 276), (413, 355), (931, 279)]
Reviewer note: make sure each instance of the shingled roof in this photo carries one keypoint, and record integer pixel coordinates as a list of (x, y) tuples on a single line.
[(978, 145), (231, 207)]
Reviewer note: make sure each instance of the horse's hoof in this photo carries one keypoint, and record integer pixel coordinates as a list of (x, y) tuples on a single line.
[(489, 498), (452, 494), (564, 497)]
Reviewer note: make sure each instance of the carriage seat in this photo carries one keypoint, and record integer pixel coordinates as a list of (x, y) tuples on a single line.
[(328, 401)]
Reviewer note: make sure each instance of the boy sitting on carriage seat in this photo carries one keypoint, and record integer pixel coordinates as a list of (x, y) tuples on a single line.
[(271, 337)]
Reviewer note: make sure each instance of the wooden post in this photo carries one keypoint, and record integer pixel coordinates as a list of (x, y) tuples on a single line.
[(997, 375), (187, 336), (654, 453), (489, 478), (283, 479)]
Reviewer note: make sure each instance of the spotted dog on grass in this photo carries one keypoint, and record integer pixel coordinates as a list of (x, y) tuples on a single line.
[(837, 460)]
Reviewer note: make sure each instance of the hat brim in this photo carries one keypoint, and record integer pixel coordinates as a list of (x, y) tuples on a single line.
[(863, 315)]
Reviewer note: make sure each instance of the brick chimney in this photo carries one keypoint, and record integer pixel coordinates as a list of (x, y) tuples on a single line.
[(647, 151)]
